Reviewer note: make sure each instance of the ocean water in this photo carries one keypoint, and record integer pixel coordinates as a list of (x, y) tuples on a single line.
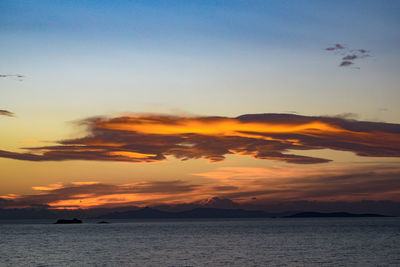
[(228, 242)]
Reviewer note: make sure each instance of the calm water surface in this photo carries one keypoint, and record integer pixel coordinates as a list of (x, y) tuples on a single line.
[(258, 242)]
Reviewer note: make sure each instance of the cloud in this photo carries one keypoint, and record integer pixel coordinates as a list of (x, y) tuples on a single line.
[(6, 113), (219, 203), (346, 63), (151, 138), (18, 77), (282, 184), (348, 55), (335, 47), (225, 187), (94, 194), (11, 75), (347, 116), (222, 188)]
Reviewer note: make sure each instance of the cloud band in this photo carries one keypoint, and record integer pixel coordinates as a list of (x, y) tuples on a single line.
[(150, 138)]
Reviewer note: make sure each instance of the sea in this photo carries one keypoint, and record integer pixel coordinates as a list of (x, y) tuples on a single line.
[(203, 242)]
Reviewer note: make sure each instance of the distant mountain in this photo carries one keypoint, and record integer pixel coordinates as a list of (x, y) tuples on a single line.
[(219, 203), (332, 214), (147, 213), (223, 213), (6, 214), (46, 213)]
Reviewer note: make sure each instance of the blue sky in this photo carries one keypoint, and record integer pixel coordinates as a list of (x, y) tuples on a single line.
[(172, 54)]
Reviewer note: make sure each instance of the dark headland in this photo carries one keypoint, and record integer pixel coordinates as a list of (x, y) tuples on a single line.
[(331, 214), (152, 213), (64, 221), (149, 213)]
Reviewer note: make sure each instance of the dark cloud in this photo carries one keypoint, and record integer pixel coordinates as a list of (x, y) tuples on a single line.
[(6, 113), (225, 188), (348, 55), (336, 47), (346, 63), (374, 182), (150, 138), (367, 183), (357, 183), (79, 193)]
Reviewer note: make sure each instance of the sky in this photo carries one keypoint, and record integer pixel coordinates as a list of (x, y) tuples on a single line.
[(115, 103)]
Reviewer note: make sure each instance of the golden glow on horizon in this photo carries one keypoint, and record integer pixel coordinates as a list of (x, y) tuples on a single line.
[(241, 184), (85, 201), (10, 196)]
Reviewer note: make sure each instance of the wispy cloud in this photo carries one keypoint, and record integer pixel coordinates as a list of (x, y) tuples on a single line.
[(94, 194), (242, 184), (282, 184), (335, 47), (151, 138), (6, 113), (18, 77)]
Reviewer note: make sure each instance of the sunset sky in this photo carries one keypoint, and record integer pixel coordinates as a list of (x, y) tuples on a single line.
[(117, 103)]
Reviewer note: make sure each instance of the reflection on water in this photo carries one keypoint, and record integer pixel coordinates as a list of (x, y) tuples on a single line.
[(258, 242)]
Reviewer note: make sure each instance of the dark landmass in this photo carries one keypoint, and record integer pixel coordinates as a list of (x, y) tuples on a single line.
[(46, 213), (145, 213), (213, 208), (223, 213), (64, 221), (103, 222), (27, 214), (331, 214), (149, 213)]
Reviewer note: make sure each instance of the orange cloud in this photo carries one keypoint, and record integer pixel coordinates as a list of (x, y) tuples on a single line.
[(351, 183), (48, 188), (213, 126), (150, 138), (94, 194)]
